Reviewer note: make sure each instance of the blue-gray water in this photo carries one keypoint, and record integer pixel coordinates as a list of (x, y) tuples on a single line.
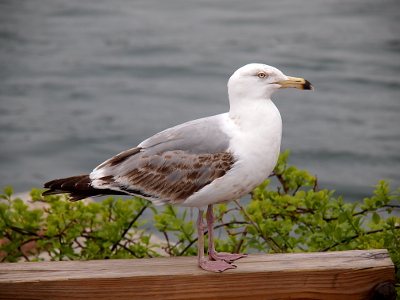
[(81, 81)]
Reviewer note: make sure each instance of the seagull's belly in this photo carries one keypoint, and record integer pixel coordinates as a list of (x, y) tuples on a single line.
[(244, 177)]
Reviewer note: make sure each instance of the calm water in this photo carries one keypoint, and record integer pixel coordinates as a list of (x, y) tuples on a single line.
[(81, 81)]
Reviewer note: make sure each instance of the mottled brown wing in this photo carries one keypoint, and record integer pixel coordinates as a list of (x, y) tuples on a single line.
[(169, 178)]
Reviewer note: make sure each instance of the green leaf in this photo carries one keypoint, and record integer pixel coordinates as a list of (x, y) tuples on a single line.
[(291, 208), (318, 218), (376, 218), (342, 217), (8, 191)]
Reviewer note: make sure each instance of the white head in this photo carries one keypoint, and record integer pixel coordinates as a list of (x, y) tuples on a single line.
[(259, 81)]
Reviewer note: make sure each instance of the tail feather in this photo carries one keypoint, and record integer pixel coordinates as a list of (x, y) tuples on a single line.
[(78, 187)]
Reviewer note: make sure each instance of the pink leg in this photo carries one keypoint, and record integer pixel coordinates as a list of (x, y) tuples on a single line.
[(212, 266), (228, 257)]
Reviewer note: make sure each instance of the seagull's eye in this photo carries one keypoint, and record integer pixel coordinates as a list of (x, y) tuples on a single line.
[(261, 75)]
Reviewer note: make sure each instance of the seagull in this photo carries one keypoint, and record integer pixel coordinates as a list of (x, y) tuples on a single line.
[(203, 162)]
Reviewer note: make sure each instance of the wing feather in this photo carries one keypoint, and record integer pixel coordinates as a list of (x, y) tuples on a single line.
[(170, 166)]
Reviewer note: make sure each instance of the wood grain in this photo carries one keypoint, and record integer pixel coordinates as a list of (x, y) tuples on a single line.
[(329, 275)]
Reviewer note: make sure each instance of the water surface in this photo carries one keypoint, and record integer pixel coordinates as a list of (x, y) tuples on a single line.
[(81, 81)]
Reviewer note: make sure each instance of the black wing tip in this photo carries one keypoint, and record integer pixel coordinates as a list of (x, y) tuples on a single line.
[(69, 185)]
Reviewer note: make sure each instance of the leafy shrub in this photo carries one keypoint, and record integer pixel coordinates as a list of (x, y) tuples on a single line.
[(294, 217)]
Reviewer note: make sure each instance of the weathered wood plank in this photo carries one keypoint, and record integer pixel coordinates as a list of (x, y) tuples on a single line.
[(330, 275)]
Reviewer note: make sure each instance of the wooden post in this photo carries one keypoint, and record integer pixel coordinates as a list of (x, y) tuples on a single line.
[(357, 274)]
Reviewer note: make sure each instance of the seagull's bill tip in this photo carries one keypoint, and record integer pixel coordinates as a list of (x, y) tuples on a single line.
[(307, 85), (298, 83)]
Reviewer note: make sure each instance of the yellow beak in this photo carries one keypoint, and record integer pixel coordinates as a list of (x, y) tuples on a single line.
[(298, 83)]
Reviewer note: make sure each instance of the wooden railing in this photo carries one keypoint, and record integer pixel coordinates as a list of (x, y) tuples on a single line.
[(350, 275)]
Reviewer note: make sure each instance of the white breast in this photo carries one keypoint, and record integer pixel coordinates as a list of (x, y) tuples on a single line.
[(255, 143)]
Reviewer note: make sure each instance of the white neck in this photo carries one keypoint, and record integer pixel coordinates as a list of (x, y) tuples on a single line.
[(255, 115)]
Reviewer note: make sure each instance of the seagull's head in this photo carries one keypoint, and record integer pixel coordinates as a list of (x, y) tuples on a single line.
[(261, 81)]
